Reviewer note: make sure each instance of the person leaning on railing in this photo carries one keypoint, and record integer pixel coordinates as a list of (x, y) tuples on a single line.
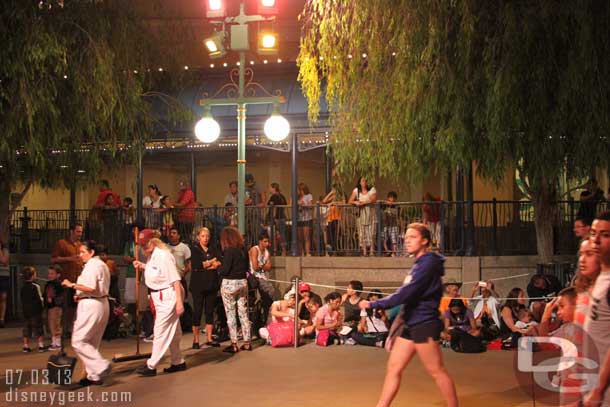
[(363, 196)]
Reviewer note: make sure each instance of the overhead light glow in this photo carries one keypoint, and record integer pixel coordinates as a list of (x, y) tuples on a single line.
[(215, 45), (269, 41), (211, 46), (214, 5)]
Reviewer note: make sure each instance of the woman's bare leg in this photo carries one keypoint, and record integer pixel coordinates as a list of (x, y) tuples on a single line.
[(402, 353), (432, 359)]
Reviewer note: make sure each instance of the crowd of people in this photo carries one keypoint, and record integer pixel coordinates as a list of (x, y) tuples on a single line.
[(425, 311), (267, 210)]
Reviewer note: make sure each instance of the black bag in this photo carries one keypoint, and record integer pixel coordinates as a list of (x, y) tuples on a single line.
[(463, 342), (60, 367)]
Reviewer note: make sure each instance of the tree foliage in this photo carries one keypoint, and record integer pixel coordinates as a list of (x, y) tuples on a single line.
[(504, 83), (75, 89), (68, 96), (454, 81)]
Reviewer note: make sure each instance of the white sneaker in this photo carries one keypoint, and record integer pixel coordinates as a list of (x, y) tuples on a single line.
[(350, 341), (149, 338)]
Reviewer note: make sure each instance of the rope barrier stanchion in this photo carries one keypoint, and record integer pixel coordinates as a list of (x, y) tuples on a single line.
[(296, 316)]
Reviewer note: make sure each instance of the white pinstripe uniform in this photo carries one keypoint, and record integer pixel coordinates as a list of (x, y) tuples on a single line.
[(159, 275), (92, 314)]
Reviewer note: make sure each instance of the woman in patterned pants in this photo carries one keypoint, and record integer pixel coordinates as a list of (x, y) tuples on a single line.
[(234, 287)]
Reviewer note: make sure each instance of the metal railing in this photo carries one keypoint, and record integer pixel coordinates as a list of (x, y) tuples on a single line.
[(458, 228)]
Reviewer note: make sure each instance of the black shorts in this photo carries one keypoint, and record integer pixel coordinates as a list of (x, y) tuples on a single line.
[(5, 284), (421, 332)]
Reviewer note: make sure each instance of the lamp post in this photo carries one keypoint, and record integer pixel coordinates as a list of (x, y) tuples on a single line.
[(277, 128)]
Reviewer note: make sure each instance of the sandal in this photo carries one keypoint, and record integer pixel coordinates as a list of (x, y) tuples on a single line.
[(246, 346), (231, 348)]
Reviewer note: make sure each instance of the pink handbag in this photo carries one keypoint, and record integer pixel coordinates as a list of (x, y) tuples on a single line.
[(281, 334)]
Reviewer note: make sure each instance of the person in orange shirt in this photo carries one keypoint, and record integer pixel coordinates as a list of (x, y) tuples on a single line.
[(66, 254), (452, 290)]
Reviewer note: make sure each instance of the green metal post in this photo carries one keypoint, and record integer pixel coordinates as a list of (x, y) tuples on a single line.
[(241, 148)]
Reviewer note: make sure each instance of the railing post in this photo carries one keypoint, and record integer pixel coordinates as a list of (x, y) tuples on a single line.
[(271, 215), (318, 229), (441, 239), (379, 229), (25, 231), (217, 221), (494, 230), (296, 316)]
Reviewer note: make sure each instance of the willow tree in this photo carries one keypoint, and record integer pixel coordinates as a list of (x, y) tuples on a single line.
[(417, 84), (72, 91)]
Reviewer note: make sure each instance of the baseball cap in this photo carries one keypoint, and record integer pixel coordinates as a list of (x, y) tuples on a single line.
[(304, 287), (145, 235)]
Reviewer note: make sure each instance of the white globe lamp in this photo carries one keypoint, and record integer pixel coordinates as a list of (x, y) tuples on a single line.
[(277, 127), (207, 130)]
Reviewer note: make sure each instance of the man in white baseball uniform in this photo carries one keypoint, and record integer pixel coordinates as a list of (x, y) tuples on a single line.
[(163, 280)]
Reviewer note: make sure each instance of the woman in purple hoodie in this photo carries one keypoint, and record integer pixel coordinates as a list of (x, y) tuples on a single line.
[(420, 296)]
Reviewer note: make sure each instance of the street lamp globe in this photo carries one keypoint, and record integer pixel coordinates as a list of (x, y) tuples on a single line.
[(207, 130), (277, 128)]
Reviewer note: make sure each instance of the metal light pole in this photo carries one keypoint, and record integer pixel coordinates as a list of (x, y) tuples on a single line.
[(241, 101)]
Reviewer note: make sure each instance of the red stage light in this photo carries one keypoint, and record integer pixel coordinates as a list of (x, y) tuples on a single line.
[(267, 7), (215, 9)]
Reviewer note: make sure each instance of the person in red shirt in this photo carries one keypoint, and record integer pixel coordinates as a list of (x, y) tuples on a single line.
[(186, 215), (105, 190)]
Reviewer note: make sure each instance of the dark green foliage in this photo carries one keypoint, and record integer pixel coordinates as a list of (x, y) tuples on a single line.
[(497, 82)]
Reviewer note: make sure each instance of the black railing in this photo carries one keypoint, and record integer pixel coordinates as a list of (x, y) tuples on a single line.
[(458, 228)]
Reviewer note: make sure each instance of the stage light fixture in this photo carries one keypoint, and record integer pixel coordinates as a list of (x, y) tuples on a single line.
[(215, 45), (267, 43), (215, 9), (267, 7)]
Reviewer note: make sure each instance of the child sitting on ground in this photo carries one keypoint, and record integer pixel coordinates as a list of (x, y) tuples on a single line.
[(53, 301), (525, 319), (308, 327), (329, 320), (32, 307), (281, 311), (460, 329), (374, 324)]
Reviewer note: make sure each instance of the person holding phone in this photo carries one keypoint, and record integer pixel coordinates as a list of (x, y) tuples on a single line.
[(485, 307)]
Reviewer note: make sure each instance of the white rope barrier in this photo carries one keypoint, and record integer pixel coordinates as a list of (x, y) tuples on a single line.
[(395, 288), (341, 288)]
